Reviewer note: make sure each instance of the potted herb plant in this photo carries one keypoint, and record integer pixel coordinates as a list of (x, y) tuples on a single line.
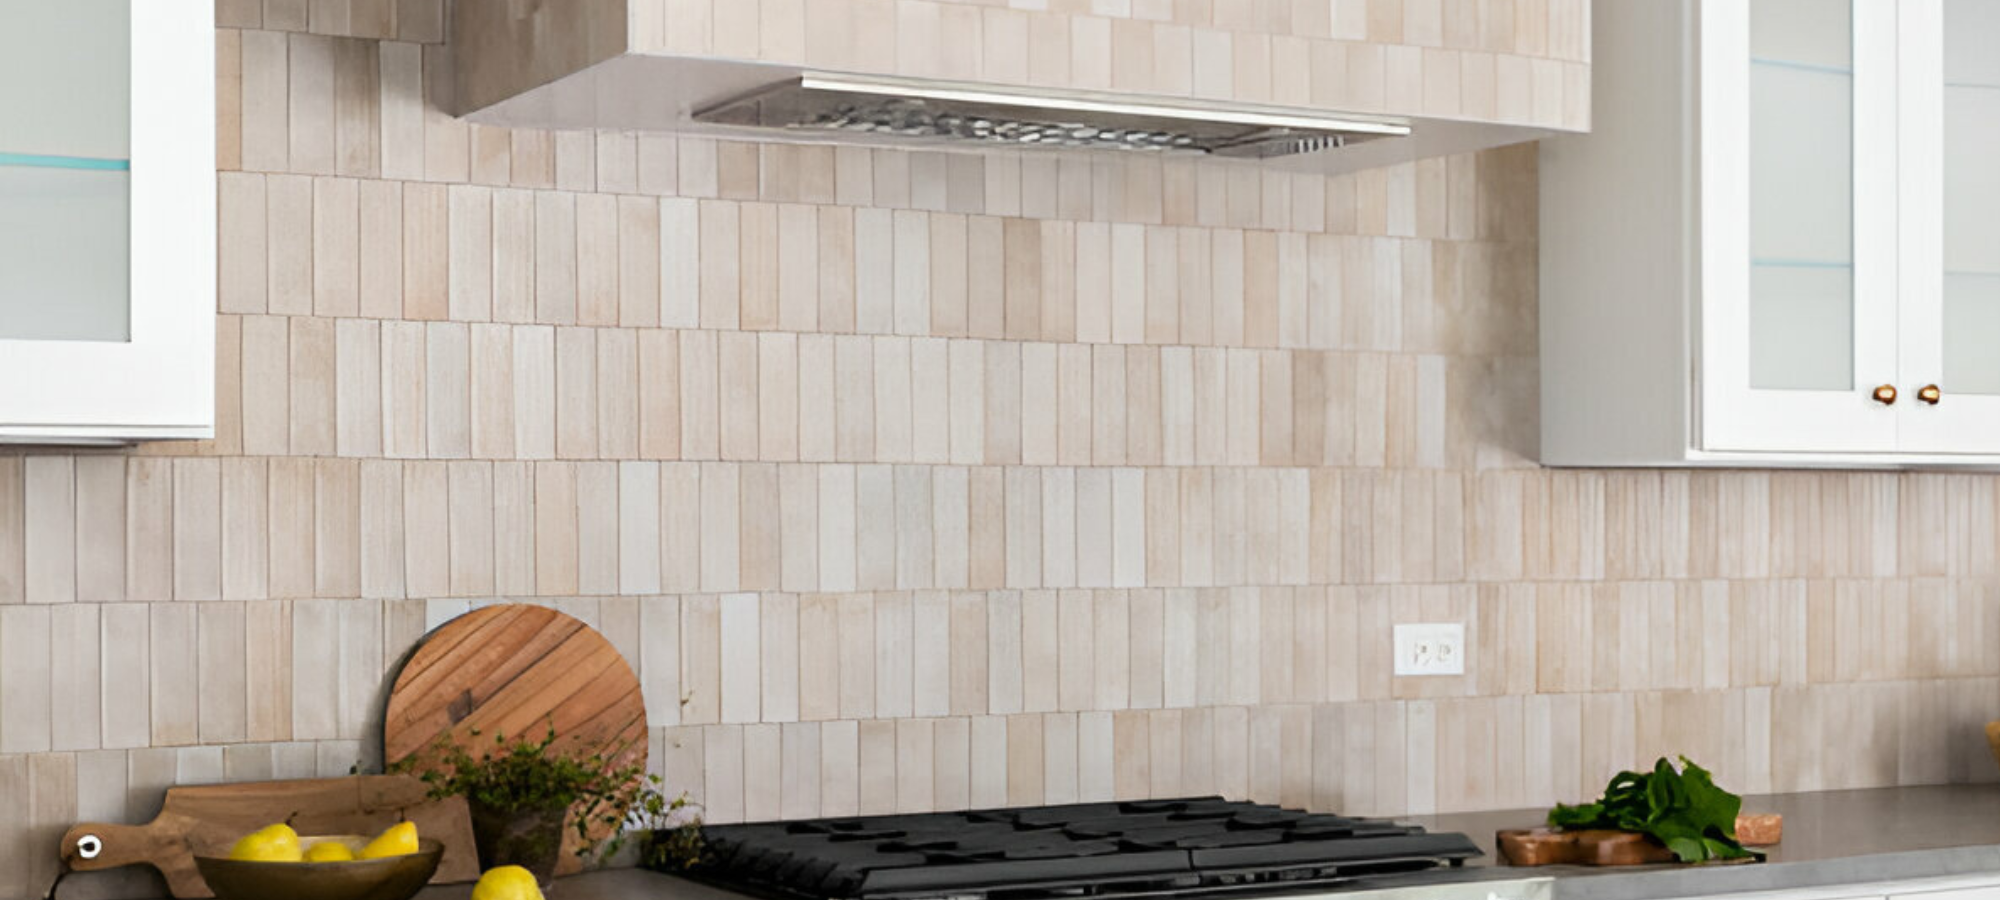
[(669, 831), (523, 793)]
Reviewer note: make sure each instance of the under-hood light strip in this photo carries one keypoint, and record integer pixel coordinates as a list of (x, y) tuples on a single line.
[(935, 91)]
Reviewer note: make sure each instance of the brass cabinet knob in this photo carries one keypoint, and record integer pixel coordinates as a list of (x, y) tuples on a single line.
[(1886, 395), (1930, 394)]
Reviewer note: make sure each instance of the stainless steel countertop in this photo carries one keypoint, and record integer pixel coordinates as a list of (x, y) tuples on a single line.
[(631, 884), (1831, 838)]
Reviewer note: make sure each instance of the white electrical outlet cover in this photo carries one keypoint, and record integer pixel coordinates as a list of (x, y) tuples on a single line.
[(1430, 649)]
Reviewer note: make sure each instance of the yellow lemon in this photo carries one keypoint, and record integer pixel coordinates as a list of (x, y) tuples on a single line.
[(329, 851), (272, 843), (399, 840), (507, 883)]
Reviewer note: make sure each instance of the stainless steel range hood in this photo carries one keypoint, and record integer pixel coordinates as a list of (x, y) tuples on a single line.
[(606, 65), (927, 112)]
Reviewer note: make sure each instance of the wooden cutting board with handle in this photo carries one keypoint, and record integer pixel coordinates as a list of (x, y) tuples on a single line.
[(208, 819), (518, 670), (1542, 847), (1592, 847)]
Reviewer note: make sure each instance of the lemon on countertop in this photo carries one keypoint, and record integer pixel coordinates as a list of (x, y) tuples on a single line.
[(272, 843), (507, 883), (399, 839), (329, 851)]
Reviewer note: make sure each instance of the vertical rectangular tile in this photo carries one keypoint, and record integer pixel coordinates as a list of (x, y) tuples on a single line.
[(759, 528), (126, 676), (701, 417), (840, 769), (100, 529), (172, 650), (266, 385), (245, 528), (267, 662), (197, 522), (50, 517), (638, 528), (404, 421), (13, 543), (148, 530), (639, 235), (819, 658), (290, 518), (777, 401), (856, 637), (742, 637), (265, 100), (357, 396), (76, 693), (737, 359), (222, 675), (310, 99), (596, 259), (312, 371), (893, 417), (469, 490)]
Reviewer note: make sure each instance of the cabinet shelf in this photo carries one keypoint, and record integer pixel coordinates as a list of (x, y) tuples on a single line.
[(1799, 264), (1821, 68), (47, 161)]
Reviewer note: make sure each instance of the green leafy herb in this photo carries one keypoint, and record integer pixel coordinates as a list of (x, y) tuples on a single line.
[(1683, 810), (529, 775), (671, 830)]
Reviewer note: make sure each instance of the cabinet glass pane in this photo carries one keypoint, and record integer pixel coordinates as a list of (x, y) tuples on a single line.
[(65, 101), (1971, 192), (1801, 195), (1801, 327)]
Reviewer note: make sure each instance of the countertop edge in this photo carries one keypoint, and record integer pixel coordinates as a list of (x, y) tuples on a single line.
[(1667, 884), (1833, 839)]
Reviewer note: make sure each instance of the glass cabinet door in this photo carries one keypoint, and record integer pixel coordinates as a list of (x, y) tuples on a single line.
[(1950, 97), (1801, 195), (1971, 198), (65, 166), (107, 220), (1798, 218)]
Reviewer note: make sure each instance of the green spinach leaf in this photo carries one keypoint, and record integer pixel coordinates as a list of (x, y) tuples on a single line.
[(1684, 810)]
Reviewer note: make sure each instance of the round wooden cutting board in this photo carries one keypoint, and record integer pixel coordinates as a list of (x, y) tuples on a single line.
[(517, 671)]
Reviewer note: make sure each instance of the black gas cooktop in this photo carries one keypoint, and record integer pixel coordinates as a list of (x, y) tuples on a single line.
[(1193, 846)]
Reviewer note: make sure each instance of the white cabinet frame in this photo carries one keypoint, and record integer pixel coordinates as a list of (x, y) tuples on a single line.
[(1960, 423), (1735, 416), (1645, 270), (161, 383)]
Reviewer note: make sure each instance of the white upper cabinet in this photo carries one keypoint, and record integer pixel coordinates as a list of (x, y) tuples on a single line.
[(1950, 338), (1797, 223), (107, 220), (1779, 246)]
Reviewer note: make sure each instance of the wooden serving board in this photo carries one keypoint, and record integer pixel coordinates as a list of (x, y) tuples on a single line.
[(518, 670), (206, 820), (1542, 847), (1546, 847)]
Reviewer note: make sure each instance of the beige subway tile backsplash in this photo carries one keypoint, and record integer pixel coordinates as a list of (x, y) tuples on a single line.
[(916, 480)]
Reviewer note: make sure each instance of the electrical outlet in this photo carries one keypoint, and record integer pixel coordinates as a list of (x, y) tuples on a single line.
[(1433, 649)]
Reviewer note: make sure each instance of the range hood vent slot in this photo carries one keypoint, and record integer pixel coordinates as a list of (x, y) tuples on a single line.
[(904, 111)]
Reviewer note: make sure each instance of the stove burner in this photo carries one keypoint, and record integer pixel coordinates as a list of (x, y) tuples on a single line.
[(1195, 846)]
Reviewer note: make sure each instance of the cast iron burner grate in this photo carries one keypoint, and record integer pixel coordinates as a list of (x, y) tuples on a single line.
[(1161, 848)]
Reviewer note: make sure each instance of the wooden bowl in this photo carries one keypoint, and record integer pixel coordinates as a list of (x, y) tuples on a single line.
[(393, 878)]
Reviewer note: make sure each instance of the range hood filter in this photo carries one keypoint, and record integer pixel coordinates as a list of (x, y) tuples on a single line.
[(902, 111)]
